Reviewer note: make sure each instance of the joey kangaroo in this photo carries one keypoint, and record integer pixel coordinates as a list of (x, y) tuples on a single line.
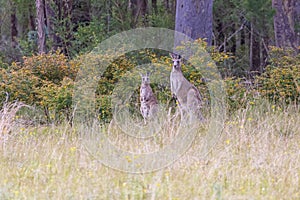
[(149, 103), (186, 94)]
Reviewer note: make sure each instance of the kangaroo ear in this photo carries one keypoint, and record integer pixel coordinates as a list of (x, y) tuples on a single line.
[(172, 55), (175, 56), (148, 74), (142, 75)]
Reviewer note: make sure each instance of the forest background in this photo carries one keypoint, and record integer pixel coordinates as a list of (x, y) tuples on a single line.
[(255, 44), (44, 155)]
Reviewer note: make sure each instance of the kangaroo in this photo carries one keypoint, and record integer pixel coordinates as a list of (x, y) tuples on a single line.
[(186, 94), (149, 103)]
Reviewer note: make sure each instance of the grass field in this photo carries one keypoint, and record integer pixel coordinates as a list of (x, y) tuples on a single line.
[(256, 157)]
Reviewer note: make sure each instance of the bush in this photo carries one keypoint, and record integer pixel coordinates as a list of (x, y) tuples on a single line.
[(240, 93), (57, 99), (121, 70), (44, 80), (47, 81), (281, 80)]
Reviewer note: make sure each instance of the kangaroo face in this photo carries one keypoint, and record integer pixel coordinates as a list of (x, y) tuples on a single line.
[(146, 78), (176, 60)]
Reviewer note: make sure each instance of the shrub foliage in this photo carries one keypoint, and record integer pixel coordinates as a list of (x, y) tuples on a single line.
[(44, 81), (47, 81), (281, 80)]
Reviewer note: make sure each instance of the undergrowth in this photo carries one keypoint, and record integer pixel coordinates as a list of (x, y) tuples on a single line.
[(256, 157)]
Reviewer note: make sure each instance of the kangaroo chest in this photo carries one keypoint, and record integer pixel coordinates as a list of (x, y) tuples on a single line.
[(147, 96), (179, 83), (145, 92)]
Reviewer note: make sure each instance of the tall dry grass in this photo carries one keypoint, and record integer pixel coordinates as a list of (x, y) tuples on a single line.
[(256, 157), (8, 113)]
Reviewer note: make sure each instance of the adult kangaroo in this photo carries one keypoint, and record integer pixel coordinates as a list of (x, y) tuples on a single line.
[(186, 94)]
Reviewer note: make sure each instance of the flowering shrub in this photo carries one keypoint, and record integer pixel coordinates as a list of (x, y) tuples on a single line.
[(281, 80), (57, 99), (45, 81), (240, 93)]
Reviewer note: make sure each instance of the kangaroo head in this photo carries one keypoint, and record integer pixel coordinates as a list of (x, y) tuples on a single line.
[(176, 61), (145, 78)]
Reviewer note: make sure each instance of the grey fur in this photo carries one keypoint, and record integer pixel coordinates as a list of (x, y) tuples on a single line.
[(186, 94), (149, 103)]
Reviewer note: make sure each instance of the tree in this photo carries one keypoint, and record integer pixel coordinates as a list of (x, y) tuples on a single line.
[(259, 17), (62, 25), (40, 13), (139, 9), (194, 18), (154, 6), (245, 29), (284, 23), (13, 23)]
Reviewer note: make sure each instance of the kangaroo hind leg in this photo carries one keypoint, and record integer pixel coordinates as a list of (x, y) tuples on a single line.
[(194, 105)]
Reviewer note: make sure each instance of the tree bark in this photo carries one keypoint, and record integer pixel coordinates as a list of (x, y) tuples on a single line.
[(31, 18), (172, 7), (67, 15), (108, 15), (59, 23), (238, 36), (297, 21), (261, 55), (40, 13), (154, 6), (194, 18), (139, 9), (13, 23), (166, 4), (284, 23), (50, 20), (251, 48), (1, 22)]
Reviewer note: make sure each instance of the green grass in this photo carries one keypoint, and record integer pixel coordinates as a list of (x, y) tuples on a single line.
[(256, 157)]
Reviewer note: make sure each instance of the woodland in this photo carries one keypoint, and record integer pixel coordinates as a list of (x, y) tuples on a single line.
[(254, 43), (251, 141)]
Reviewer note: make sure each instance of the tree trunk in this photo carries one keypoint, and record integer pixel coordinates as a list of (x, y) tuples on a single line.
[(297, 21), (139, 9), (166, 4), (13, 23), (40, 14), (194, 18), (154, 6), (67, 17), (1, 22), (238, 37), (251, 49), (172, 8), (261, 60), (50, 20), (284, 23), (109, 14), (31, 19)]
